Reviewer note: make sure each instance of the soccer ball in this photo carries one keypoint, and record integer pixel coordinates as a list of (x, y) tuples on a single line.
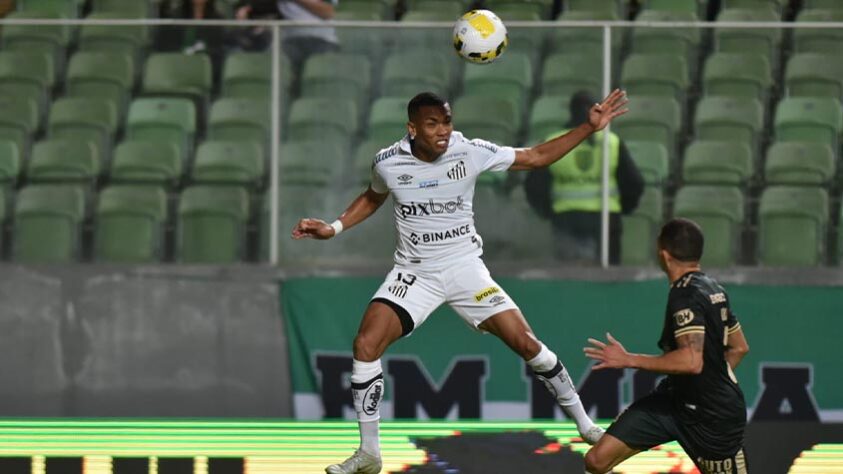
[(480, 37)]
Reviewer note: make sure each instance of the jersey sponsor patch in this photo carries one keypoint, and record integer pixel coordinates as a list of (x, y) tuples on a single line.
[(683, 317), (486, 292), (718, 298)]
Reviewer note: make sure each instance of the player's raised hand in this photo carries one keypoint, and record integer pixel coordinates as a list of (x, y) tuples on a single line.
[(609, 355), (604, 112), (310, 228)]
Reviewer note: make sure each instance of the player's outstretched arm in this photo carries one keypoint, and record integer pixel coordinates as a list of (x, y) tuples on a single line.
[(361, 208), (551, 151), (686, 359)]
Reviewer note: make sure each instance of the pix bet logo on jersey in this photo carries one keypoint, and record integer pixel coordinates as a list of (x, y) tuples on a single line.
[(430, 207)]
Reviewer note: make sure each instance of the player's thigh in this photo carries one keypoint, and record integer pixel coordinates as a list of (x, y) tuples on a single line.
[(607, 453), (474, 295), (648, 422), (411, 295)]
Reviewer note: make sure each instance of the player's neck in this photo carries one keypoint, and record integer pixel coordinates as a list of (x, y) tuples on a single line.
[(677, 270), (420, 154)]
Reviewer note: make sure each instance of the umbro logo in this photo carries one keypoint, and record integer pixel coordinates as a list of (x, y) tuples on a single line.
[(458, 172), (404, 179)]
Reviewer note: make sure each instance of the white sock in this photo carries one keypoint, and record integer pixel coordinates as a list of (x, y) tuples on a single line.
[(552, 373), (367, 388)]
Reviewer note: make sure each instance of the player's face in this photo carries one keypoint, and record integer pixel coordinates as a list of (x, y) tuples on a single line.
[(432, 129)]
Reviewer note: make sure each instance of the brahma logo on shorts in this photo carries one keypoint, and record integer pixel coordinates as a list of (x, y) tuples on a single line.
[(486, 292), (683, 317)]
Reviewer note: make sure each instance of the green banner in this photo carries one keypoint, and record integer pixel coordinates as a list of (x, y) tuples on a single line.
[(446, 369)]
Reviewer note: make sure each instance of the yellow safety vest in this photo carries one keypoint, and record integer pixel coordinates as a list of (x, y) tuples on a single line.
[(578, 178)]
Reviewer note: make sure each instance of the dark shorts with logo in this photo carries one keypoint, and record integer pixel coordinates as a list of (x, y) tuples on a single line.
[(651, 421)]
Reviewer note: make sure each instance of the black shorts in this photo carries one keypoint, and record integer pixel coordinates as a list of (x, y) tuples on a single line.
[(652, 421)]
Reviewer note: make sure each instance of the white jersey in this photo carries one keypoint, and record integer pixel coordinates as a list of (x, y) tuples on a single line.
[(434, 217)]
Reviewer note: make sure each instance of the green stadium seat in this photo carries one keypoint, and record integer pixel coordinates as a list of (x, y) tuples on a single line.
[(338, 75), (212, 224), (50, 40), (717, 162), (314, 162), (585, 40), (814, 75), (178, 74), (84, 118), (799, 163), (48, 224), (531, 7), (147, 162), (488, 118), (371, 242), (64, 8), (615, 7), (730, 119), (529, 41), (742, 75), (640, 229), (719, 211), (249, 76), (774, 5), (362, 10), (564, 74), (137, 9), (101, 75), (549, 114), (364, 157), (449, 10), (823, 4), (240, 120), (171, 120), (655, 75), (387, 119), (128, 40), (682, 42), (3, 214), (809, 119), (749, 40), (64, 160), (654, 119), (681, 6), (18, 121), (407, 74), (792, 226), (10, 164), (316, 118), (129, 224), (652, 161), (296, 201), (222, 162), (510, 77), (816, 40), (27, 75)]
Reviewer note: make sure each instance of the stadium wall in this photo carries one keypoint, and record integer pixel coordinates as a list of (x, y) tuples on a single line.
[(141, 341)]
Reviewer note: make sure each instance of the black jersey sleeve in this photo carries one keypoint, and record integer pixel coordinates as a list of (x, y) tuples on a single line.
[(687, 314), (732, 323)]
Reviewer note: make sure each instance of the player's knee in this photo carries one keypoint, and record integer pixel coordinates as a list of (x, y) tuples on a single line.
[(594, 464), (365, 348)]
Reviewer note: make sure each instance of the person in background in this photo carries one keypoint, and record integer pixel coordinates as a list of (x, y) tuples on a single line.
[(569, 192), (299, 42)]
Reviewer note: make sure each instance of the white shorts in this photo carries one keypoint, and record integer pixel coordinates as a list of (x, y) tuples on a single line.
[(466, 286)]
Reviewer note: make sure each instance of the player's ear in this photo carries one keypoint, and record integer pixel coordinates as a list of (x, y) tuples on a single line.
[(411, 129)]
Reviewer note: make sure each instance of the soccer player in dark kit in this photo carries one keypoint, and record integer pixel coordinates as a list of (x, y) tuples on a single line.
[(699, 404)]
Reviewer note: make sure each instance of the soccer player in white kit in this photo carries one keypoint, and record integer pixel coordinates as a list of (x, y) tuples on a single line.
[(431, 174)]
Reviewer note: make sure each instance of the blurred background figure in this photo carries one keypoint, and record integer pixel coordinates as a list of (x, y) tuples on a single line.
[(569, 192)]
